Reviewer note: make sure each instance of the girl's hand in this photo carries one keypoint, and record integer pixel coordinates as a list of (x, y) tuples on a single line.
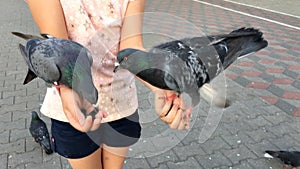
[(74, 105), (171, 109)]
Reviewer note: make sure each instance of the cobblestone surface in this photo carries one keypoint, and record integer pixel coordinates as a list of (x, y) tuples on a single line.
[(264, 88)]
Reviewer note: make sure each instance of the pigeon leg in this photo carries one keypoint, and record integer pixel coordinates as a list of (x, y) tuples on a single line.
[(92, 113)]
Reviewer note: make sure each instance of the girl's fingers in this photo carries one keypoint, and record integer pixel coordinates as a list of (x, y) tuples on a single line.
[(87, 124), (178, 118), (181, 125), (187, 119), (171, 110), (170, 116), (165, 109), (163, 104)]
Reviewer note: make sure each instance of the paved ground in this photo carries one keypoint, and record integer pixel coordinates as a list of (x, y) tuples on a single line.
[(264, 87), (288, 6)]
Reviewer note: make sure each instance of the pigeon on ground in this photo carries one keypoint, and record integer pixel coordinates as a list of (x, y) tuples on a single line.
[(59, 61), (186, 65), (291, 158), (39, 132)]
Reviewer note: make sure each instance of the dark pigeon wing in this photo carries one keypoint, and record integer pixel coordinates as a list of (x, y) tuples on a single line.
[(43, 61), (185, 57), (39, 132), (291, 158), (296, 159), (183, 71), (287, 157), (148, 74), (75, 68)]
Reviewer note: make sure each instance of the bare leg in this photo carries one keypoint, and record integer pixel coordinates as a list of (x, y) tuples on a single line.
[(93, 161), (113, 157)]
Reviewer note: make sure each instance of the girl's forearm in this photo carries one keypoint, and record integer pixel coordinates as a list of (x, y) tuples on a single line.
[(131, 33), (48, 16)]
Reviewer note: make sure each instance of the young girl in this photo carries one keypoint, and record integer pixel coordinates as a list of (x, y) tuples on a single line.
[(105, 27)]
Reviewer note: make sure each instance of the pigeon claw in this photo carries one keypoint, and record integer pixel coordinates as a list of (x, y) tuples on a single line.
[(92, 113)]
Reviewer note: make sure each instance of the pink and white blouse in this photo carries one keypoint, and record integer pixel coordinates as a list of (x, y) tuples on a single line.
[(96, 24)]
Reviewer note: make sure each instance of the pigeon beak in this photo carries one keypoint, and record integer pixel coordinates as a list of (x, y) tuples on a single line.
[(117, 64), (95, 105), (266, 155)]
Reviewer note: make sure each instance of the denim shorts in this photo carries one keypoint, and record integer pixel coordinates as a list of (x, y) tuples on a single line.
[(71, 143)]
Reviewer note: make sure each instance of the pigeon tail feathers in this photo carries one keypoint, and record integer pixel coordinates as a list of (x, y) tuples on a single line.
[(239, 43), (46, 145), (29, 77), (26, 36), (30, 74)]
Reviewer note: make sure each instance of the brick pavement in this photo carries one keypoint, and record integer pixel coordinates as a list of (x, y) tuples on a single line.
[(264, 88)]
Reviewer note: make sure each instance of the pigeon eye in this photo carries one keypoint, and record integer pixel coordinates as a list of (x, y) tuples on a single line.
[(125, 58)]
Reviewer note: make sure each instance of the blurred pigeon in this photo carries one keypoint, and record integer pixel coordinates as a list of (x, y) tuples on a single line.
[(291, 158), (186, 65), (59, 61), (206, 91), (39, 132)]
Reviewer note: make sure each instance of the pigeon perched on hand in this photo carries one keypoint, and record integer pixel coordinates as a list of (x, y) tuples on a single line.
[(39, 132), (59, 62), (186, 65), (291, 158)]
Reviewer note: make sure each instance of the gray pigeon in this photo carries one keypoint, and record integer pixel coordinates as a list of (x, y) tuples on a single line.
[(291, 158), (59, 61), (186, 65), (39, 132)]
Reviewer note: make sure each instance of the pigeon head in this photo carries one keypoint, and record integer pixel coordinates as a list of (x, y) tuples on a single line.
[(32, 43), (122, 57), (131, 59), (125, 53), (34, 116)]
